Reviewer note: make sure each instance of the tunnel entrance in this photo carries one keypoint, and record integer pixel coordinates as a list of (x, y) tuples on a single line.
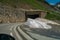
[(33, 16)]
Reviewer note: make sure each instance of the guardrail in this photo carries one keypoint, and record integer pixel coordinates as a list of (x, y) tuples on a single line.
[(26, 37), (16, 34)]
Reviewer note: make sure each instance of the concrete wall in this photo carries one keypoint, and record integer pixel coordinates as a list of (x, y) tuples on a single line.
[(41, 14)]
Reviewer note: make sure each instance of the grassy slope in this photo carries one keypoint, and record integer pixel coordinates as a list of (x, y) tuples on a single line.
[(30, 3)]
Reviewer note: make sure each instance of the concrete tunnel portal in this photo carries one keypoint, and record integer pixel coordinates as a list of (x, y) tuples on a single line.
[(35, 14)]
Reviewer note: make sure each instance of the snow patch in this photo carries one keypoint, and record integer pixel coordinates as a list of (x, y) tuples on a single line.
[(32, 23)]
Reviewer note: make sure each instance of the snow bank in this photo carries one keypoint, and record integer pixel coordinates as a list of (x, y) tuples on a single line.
[(32, 23)]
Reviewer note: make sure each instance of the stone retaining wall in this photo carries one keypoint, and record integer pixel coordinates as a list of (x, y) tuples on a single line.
[(11, 15)]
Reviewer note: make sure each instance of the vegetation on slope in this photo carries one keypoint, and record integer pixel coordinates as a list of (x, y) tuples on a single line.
[(31, 4)]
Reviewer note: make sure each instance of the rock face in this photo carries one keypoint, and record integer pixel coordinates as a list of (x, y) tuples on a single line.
[(11, 15)]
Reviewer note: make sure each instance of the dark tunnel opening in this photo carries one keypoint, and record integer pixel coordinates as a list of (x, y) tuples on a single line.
[(33, 16)]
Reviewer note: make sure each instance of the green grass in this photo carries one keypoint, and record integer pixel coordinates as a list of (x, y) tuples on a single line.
[(53, 16), (34, 4)]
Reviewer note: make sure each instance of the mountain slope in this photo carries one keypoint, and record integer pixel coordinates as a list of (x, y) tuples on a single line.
[(31, 4)]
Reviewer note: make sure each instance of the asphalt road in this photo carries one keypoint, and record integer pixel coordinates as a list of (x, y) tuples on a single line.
[(7, 28), (43, 35)]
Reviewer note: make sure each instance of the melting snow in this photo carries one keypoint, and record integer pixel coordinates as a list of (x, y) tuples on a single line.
[(32, 23)]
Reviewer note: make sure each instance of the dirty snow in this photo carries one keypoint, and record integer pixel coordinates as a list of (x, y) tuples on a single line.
[(32, 23)]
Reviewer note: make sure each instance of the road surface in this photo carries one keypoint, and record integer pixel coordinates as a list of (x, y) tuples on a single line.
[(7, 28), (34, 34)]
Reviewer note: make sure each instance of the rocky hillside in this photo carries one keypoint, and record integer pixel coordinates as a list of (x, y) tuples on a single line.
[(10, 14), (11, 8)]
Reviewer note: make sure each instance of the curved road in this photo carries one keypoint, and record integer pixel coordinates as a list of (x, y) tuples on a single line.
[(7, 28)]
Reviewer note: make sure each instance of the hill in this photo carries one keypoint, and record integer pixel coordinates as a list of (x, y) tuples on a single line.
[(32, 4)]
